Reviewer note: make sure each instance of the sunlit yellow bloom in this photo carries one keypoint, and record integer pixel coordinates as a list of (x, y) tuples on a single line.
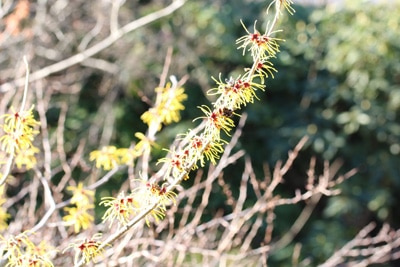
[(157, 214), (264, 69), (18, 130), (126, 156), (167, 108), (17, 244), (216, 121), (235, 92), (196, 148), (27, 260), (152, 116), (178, 163), (171, 103), (144, 144), (149, 193), (120, 209), (12, 143), (15, 141), (106, 158), (213, 151), (22, 252), (87, 249), (24, 119), (110, 157), (80, 195), (261, 46), (27, 158), (208, 145), (79, 217)]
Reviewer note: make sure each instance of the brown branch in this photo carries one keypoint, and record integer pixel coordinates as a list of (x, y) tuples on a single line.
[(105, 43)]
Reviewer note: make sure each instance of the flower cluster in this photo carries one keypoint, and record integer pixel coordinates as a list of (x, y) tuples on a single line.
[(23, 252), (19, 132), (231, 95), (261, 46), (110, 157), (146, 195), (89, 249), (199, 149), (79, 215), (166, 110), (119, 209), (167, 107)]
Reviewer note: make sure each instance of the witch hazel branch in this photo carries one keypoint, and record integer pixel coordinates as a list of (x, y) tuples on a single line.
[(151, 197)]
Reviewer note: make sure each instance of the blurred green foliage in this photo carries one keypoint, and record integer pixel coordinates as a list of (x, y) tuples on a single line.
[(339, 82)]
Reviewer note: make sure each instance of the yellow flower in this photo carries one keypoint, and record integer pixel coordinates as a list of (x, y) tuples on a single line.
[(235, 92), (167, 108), (88, 248), (264, 69), (106, 158), (177, 163), (80, 196), (144, 145), (213, 150), (196, 149), (79, 217), (27, 158), (126, 156), (120, 208), (171, 104), (28, 260), (18, 130), (23, 252), (261, 46), (149, 193), (216, 121), (16, 245), (24, 119), (157, 214), (110, 157)]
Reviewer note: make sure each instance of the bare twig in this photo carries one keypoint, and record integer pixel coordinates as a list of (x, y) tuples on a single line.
[(111, 39)]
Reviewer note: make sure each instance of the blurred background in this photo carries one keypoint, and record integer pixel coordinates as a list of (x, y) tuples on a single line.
[(338, 82)]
